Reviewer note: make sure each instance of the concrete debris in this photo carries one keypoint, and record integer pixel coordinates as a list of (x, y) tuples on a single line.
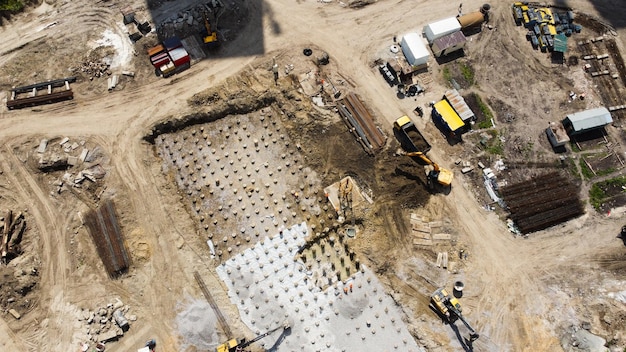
[(72, 160), (83, 154), (75, 145), (94, 69), (106, 323), (128, 73), (14, 313), (42, 146), (466, 169), (63, 141)]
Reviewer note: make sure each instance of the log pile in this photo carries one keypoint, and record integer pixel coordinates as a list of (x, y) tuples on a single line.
[(12, 229)]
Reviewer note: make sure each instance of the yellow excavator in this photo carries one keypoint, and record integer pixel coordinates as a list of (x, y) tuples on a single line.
[(450, 308), (438, 174), (239, 345), (209, 35)]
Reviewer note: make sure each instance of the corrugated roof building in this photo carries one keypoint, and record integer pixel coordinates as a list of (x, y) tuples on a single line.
[(587, 120), (449, 43), (459, 105)]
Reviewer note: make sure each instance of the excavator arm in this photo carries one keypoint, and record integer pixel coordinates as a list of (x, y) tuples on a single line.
[(443, 176)]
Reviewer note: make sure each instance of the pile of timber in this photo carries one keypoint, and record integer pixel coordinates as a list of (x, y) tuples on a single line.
[(34, 96), (13, 228), (361, 123), (542, 201)]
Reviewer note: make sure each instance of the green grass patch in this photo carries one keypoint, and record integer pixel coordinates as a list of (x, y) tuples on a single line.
[(598, 193), (494, 144), (484, 109), (573, 170), (11, 5), (586, 171), (596, 196), (468, 73), (606, 171), (496, 148)]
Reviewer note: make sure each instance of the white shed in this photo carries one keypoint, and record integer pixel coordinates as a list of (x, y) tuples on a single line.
[(414, 49), (440, 28)]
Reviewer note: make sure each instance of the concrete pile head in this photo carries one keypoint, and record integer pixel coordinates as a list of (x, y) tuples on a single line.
[(271, 286)]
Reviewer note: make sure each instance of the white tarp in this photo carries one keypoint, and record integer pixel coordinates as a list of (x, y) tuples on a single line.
[(440, 28)]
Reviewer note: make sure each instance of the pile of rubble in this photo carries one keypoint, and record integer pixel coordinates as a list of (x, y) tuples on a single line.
[(94, 69), (107, 323), (191, 18), (65, 156)]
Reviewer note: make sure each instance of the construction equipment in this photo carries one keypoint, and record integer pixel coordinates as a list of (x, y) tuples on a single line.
[(238, 345), (442, 176), (209, 34), (450, 308), (233, 344), (410, 138)]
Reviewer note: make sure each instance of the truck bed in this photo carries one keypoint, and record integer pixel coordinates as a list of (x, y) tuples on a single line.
[(418, 141)]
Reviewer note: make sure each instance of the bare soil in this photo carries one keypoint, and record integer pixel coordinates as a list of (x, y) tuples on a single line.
[(563, 276)]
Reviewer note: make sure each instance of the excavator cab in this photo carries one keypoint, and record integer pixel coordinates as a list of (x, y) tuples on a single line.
[(438, 176)]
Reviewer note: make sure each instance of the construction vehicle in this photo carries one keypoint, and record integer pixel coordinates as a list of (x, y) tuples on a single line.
[(450, 308), (437, 175), (410, 138), (209, 34), (233, 344), (238, 345)]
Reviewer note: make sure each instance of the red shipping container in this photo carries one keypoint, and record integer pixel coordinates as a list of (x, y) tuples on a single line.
[(162, 58), (183, 60)]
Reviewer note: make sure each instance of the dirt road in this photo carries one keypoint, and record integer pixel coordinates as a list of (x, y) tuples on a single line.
[(516, 289)]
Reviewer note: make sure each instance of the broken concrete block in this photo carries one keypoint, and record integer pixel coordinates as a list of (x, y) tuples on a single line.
[(42, 146), (64, 140), (83, 155), (466, 169), (72, 160), (14, 313)]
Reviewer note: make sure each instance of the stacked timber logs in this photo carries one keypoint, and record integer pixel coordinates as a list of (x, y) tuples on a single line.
[(13, 227)]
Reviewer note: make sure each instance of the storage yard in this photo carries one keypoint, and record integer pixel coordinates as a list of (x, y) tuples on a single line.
[(226, 175)]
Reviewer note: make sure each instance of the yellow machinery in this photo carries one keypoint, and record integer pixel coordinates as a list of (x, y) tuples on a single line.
[(439, 174), (209, 36), (238, 345), (449, 307)]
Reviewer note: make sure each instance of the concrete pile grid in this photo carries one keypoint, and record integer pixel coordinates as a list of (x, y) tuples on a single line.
[(242, 178), (271, 288)]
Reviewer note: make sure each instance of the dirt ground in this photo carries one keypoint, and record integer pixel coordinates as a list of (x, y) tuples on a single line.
[(521, 294)]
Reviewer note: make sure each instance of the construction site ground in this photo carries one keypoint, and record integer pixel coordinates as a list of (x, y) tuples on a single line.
[(527, 293)]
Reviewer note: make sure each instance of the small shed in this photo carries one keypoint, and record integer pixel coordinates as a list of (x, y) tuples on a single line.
[(557, 135), (440, 28), (415, 50), (587, 120), (448, 44)]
